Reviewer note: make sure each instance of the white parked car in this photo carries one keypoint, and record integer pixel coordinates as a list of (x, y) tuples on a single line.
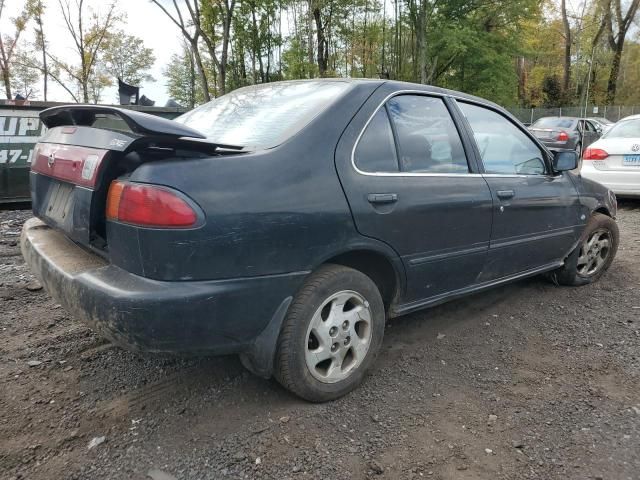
[(614, 160)]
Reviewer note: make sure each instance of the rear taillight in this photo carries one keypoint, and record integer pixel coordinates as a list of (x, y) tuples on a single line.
[(594, 154), (148, 206), (563, 137)]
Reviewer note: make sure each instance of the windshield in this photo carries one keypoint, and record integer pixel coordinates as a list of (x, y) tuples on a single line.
[(624, 129), (554, 122), (265, 115)]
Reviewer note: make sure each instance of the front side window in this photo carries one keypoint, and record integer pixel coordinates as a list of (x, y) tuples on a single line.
[(427, 138), (265, 115), (504, 148), (376, 151)]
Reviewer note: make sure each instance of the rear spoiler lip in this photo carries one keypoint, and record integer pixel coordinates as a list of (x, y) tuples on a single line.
[(146, 129), (139, 123)]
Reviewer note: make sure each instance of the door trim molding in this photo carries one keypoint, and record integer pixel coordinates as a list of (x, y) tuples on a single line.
[(445, 297), (511, 241)]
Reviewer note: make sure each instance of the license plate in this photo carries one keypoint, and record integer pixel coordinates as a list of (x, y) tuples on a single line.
[(633, 160), (60, 200)]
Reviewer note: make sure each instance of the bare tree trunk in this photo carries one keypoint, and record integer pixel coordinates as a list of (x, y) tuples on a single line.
[(364, 39), (612, 84), (567, 47), (617, 39), (310, 33), (6, 78), (521, 71), (323, 46), (204, 81)]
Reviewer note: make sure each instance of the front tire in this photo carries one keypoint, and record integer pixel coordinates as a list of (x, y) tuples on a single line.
[(593, 255), (331, 335)]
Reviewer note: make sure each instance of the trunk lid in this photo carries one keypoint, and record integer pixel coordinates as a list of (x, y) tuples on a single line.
[(624, 154), (545, 133), (85, 149)]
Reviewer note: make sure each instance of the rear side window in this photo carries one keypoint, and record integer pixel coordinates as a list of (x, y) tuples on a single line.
[(376, 151), (427, 138), (504, 148)]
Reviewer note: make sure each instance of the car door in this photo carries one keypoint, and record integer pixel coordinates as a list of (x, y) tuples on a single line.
[(537, 217), (404, 167), (591, 134)]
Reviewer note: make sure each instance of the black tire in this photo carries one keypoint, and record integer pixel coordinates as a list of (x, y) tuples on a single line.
[(569, 274), (291, 368)]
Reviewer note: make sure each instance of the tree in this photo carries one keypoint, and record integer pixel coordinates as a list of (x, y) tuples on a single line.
[(617, 26), (567, 46), (24, 78), (89, 37), (125, 57), (8, 44), (37, 11), (192, 36), (552, 91), (181, 78), (216, 14)]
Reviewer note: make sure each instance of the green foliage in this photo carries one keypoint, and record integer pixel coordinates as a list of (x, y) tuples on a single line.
[(24, 77), (126, 57), (182, 82), (552, 91)]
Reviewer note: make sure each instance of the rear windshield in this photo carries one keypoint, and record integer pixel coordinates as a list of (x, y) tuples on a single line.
[(265, 115), (554, 122), (603, 120), (625, 129)]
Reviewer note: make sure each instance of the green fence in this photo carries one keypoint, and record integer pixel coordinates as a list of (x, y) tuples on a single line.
[(20, 129)]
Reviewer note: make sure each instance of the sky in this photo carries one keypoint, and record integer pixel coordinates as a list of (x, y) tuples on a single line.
[(144, 20)]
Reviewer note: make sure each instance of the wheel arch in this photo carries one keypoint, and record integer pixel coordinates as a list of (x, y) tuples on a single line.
[(604, 210), (385, 271)]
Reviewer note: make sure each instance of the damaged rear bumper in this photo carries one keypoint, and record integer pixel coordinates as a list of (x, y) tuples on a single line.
[(218, 317)]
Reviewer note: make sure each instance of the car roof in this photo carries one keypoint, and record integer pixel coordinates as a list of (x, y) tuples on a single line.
[(403, 86), (562, 117)]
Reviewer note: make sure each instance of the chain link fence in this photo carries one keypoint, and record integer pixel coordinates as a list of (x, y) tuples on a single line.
[(613, 113)]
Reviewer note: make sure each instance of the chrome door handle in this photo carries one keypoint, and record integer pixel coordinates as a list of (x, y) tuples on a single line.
[(505, 194), (382, 197)]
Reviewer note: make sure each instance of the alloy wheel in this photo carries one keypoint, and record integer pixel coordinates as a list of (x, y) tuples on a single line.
[(338, 337), (594, 253)]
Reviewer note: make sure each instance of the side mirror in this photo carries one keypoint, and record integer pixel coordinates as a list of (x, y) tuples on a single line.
[(565, 160)]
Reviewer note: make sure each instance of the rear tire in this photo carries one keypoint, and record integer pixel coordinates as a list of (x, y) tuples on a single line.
[(331, 335), (593, 255)]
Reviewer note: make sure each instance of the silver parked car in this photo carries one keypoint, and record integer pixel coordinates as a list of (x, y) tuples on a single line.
[(565, 132), (603, 123)]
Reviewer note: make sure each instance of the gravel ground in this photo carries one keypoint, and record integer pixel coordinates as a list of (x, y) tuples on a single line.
[(529, 381)]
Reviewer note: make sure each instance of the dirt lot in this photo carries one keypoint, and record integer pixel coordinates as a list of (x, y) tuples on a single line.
[(528, 381)]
